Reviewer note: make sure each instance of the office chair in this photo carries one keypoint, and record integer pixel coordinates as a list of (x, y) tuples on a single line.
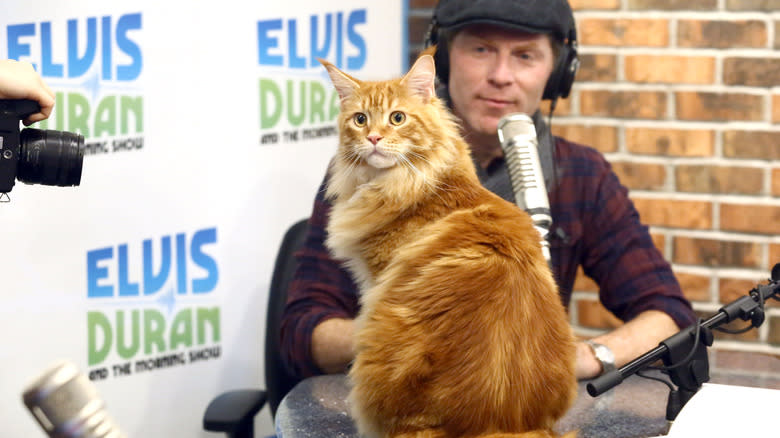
[(233, 412)]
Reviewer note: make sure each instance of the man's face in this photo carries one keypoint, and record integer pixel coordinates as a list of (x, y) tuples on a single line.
[(494, 72)]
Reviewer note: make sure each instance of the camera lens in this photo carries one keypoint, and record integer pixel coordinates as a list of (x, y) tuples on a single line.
[(49, 157)]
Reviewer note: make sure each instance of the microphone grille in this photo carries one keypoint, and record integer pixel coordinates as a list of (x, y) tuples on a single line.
[(66, 404), (515, 125)]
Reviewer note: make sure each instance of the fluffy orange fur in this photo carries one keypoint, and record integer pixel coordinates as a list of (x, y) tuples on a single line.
[(461, 331)]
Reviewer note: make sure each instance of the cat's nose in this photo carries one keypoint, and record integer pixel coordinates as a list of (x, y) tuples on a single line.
[(374, 138)]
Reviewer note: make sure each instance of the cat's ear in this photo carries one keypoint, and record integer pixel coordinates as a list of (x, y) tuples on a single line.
[(421, 78), (344, 83)]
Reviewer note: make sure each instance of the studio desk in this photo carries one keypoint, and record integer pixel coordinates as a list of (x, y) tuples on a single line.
[(317, 406)]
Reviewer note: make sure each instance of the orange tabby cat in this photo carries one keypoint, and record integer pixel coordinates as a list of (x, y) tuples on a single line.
[(461, 331)]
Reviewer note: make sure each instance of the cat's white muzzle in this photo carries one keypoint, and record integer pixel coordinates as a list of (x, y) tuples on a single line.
[(380, 159)]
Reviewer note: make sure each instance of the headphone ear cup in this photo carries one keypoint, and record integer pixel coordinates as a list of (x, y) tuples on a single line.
[(442, 62), (562, 77), (441, 57), (571, 65)]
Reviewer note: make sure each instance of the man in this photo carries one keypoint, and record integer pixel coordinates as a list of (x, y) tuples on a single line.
[(498, 57)]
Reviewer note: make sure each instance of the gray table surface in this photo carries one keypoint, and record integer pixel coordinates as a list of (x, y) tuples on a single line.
[(317, 407)]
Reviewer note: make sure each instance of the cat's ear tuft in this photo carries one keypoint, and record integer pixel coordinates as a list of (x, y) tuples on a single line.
[(430, 50), (344, 83), (421, 78)]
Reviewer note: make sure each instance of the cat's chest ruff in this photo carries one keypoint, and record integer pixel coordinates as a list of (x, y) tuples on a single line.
[(354, 226), (350, 224), (344, 243)]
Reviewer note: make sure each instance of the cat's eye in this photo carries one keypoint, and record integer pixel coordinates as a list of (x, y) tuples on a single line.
[(360, 119), (397, 117)]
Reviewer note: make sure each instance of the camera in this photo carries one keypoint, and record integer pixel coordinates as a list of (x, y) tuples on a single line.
[(36, 156)]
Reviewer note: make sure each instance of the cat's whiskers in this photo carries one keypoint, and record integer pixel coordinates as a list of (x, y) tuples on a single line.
[(353, 163), (354, 159), (431, 182), (406, 162), (425, 159), (349, 161)]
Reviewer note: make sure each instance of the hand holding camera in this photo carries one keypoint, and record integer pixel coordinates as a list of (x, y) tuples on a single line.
[(33, 156), (18, 80)]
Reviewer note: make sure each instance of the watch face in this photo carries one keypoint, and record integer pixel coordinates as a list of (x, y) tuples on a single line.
[(604, 355)]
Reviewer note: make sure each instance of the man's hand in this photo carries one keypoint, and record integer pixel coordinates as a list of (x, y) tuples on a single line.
[(18, 80), (331, 345), (627, 342)]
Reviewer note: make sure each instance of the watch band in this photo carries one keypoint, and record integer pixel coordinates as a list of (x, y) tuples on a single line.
[(604, 355)]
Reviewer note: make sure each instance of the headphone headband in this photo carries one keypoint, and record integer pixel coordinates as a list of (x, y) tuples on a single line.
[(559, 21)]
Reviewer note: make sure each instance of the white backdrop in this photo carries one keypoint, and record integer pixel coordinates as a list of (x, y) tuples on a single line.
[(209, 128)]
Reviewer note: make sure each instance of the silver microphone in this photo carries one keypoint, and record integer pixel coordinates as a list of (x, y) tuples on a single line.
[(67, 405), (517, 135)]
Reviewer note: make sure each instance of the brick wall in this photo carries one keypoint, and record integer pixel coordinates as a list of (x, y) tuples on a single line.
[(683, 97)]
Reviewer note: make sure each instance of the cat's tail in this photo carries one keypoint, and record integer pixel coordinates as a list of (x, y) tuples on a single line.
[(440, 433)]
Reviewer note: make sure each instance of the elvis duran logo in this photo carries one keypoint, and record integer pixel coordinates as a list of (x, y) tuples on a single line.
[(93, 64), (297, 101), (150, 304)]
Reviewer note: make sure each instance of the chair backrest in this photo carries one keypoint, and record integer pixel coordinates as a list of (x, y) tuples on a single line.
[(277, 381)]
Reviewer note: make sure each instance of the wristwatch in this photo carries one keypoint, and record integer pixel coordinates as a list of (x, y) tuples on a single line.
[(604, 355)]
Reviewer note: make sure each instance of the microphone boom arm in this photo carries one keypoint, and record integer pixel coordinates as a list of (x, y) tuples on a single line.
[(685, 353)]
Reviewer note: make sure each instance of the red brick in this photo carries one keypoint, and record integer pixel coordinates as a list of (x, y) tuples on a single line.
[(776, 100), (597, 68), (640, 176), (623, 104), (670, 142), (774, 330), (579, 5), (777, 34), (716, 253), (774, 255), (722, 34), (752, 72), (694, 287), (670, 69), (719, 179), (761, 145), (592, 314), (417, 27), (603, 138), (749, 336), (753, 5), (775, 182), (693, 105), (562, 108), (761, 219), (673, 5), (675, 213), (623, 32), (659, 241), (731, 289)]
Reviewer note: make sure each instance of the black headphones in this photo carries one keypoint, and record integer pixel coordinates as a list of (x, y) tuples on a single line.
[(560, 80)]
